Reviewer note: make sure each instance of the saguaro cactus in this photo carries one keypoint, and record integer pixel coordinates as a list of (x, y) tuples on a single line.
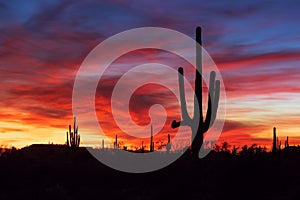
[(116, 146), (169, 144), (286, 143), (274, 148), (278, 144), (151, 140), (198, 124), (68, 144), (73, 138)]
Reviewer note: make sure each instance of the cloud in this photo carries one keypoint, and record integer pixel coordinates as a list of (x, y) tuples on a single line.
[(240, 61), (43, 44)]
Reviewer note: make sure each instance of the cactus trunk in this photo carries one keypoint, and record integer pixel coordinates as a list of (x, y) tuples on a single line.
[(116, 142), (151, 140), (274, 141), (67, 139), (168, 147)]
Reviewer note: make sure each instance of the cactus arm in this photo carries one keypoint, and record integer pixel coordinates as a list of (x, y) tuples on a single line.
[(74, 125), (71, 138), (77, 140), (208, 118), (176, 124), (184, 113), (216, 101), (70, 130), (74, 140), (70, 135), (67, 138), (185, 116)]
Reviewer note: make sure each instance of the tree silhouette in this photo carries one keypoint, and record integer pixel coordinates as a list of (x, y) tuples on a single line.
[(234, 150), (225, 147)]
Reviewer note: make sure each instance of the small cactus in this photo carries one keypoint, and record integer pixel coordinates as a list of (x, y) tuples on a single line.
[(169, 144), (116, 146), (286, 143), (274, 147), (102, 144), (151, 140), (279, 144), (143, 147), (73, 138)]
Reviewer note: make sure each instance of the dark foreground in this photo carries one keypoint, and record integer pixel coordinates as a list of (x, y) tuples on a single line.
[(45, 172)]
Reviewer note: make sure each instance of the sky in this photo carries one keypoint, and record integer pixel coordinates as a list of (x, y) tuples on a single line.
[(255, 45)]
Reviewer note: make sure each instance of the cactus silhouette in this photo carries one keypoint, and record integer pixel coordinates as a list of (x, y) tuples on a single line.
[(116, 146), (151, 140), (73, 138), (274, 147), (276, 143), (169, 144), (198, 124), (286, 143), (279, 144)]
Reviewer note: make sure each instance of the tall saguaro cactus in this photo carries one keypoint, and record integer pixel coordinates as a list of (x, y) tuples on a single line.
[(73, 138), (198, 124)]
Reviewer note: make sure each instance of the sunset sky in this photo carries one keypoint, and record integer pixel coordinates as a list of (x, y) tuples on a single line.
[(255, 45)]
